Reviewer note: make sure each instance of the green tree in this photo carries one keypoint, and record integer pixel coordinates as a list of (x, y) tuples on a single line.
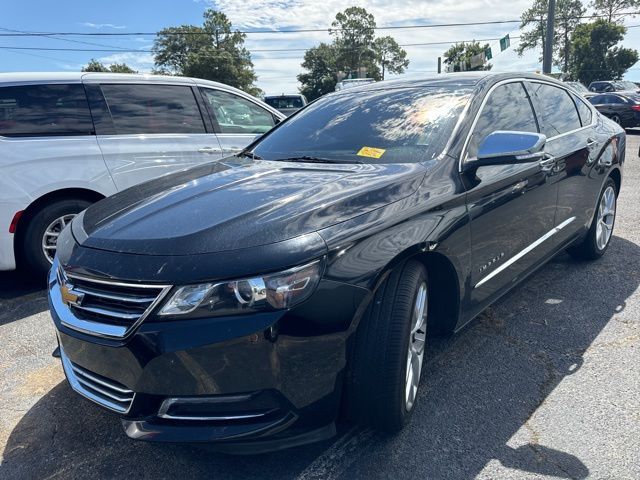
[(567, 15), (595, 54), (353, 31), (462, 52), (610, 8), (389, 56), (213, 51), (97, 66), (320, 78)]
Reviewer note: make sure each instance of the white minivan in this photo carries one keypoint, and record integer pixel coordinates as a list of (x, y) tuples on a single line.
[(70, 139)]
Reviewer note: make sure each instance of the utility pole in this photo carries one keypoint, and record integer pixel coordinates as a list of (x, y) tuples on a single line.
[(439, 64), (547, 55)]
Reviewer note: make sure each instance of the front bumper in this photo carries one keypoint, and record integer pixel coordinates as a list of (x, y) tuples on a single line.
[(245, 383)]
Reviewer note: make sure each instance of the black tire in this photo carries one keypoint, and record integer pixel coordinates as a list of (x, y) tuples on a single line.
[(588, 248), (616, 118), (376, 380), (31, 252)]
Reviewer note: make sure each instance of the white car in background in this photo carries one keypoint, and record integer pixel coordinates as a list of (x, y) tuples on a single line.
[(70, 139)]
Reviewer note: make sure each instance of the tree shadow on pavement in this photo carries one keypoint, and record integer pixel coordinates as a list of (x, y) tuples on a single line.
[(482, 386)]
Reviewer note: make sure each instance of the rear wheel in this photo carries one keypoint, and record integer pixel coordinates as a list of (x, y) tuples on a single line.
[(382, 385), (40, 237), (616, 118), (597, 240)]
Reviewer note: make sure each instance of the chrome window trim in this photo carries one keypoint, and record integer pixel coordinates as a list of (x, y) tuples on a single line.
[(525, 251), (522, 80)]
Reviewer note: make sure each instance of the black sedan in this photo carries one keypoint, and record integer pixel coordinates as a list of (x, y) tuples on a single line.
[(622, 108), (252, 301)]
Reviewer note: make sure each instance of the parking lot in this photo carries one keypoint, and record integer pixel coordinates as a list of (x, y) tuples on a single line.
[(543, 384)]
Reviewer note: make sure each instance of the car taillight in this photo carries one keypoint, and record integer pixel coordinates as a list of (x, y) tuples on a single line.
[(636, 108)]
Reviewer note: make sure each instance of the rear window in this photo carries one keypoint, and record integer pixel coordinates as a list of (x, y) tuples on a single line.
[(284, 102), (558, 112), (375, 126), (44, 110), (149, 109), (583, 110)]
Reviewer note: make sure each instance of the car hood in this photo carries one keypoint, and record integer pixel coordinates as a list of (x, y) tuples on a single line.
[(239, 203)]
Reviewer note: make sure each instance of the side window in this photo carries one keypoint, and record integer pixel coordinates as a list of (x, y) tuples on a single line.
[(583, 110), (148, 109), (598, 99), (236, 114), (615, 99), (507, 108), (42, 110), (558, 112)]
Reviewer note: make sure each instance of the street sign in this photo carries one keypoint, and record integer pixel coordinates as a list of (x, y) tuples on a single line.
[(505, 43), (487, 54)]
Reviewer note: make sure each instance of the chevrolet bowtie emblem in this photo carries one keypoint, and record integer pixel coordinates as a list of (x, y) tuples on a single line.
[(69, 297)]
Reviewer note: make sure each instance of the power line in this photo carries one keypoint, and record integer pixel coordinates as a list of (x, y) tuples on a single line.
[(258, 50), (304, 30)]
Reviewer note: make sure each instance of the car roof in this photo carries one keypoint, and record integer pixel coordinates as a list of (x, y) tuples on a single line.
[(284, 95), (462, 79)]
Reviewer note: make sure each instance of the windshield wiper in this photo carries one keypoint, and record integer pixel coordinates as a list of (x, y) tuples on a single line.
[(251, 155), (309, 159)]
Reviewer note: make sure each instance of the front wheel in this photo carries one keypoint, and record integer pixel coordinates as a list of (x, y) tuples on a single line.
[(40, 238), (384, 376), (597, 240)]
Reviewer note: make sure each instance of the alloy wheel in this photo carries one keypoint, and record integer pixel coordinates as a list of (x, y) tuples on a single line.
[(417, 340), (606, 217), (51, 233)]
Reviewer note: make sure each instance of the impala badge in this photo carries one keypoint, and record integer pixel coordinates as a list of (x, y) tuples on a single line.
[(491, 261)]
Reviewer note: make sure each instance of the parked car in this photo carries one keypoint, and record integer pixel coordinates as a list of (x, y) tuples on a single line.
[(70, 139), (245, 302), (286, 104), (580, 88), (613, 86), (353, 82), (624, 109)]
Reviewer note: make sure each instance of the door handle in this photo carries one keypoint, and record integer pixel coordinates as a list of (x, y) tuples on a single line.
[(210, 150), (591, 143), (547, 163)]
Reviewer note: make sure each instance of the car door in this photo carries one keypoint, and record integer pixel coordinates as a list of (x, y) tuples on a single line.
[(511, 207), (149, 129), (237, 120), (570, 145)]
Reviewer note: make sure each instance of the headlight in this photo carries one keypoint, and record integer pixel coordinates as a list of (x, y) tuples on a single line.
[(275, 291)]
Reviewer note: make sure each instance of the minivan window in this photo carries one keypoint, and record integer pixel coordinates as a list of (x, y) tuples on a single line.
[(583, 110), (235, 114), (43, 110), (558, 112), (284, 102), (507, 108), (149, 109), (374, 126)]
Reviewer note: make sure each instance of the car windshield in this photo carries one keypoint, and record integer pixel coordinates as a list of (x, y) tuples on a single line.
[(284, 102), (625, 85), (375, 126)]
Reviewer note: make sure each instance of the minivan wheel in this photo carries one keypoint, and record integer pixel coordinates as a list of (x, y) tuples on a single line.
[(599, 236), (40, 236), (388, 354)]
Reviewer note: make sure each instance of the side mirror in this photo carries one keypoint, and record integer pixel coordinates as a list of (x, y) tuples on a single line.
[(508, 148)]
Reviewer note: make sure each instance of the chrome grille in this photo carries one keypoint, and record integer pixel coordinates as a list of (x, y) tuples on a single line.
[(105, 307), (97, 388)]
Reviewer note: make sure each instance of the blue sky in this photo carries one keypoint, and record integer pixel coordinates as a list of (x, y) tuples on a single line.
[(276, 70)]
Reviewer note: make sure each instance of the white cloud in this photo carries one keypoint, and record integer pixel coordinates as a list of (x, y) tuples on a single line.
[(142, 62), (102, 25)]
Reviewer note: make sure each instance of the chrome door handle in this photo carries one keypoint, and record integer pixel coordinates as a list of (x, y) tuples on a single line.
[(209, 150), (591, 143), (547, 163)]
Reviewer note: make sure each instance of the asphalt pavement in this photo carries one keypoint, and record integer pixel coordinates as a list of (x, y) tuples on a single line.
[(544, 384)]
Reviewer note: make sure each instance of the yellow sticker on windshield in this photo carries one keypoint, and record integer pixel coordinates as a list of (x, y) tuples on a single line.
[(371, 152)]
